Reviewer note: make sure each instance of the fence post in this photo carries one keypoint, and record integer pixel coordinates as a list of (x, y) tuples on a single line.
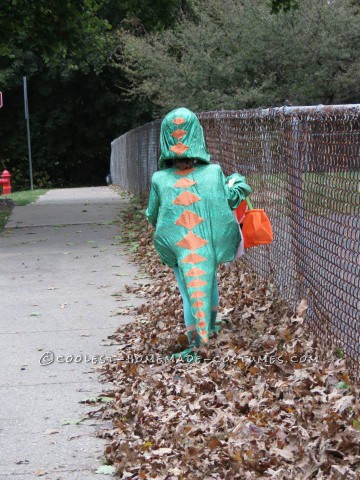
[(295, 172)]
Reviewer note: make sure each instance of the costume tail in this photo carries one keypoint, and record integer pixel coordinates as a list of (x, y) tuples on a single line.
[(198, 275)]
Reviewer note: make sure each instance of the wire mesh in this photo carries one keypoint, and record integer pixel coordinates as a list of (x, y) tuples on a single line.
[(303, 164)]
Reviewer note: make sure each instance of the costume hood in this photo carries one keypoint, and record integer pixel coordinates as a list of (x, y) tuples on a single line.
[(182, 136)]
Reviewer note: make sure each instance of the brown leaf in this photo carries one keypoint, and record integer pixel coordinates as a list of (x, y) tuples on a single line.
[(213, 443), (301, 308)]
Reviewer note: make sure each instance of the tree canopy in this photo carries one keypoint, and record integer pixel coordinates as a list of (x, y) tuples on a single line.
[(76, 99), (97, 68), (238, 55)]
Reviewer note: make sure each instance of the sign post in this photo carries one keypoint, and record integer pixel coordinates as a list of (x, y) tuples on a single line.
[(26, 106)]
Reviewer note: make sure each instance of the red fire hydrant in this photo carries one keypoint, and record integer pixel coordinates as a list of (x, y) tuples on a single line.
[(5, 182)]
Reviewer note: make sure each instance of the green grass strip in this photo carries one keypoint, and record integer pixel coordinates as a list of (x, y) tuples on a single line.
[(25, 197)]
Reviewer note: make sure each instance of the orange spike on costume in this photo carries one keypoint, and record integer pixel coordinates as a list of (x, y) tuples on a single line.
[(196, 283), (185, 172), (201, 324), (195, 272), (186, 199), (198, 294), (204, 336), (193, 258), (179, 134), (192, 242), (179, 148), (200, 314), (179, 120), (184, 183), (189, 219), (198, 304)]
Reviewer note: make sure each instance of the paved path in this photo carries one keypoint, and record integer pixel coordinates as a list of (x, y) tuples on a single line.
[(59, 267)]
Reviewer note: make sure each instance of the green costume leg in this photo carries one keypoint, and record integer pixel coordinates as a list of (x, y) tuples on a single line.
[(190, 320), (214, 308), (191, 210)]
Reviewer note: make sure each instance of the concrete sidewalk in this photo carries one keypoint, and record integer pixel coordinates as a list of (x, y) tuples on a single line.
[(60, 263)]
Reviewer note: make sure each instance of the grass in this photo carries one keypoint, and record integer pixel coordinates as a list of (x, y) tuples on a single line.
[(25, 197), (20, 199)]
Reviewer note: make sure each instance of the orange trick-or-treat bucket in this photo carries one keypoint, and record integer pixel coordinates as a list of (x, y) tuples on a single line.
[(256, 226)]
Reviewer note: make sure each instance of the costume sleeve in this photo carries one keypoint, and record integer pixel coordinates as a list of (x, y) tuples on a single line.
[(236, 189), (153, 206)]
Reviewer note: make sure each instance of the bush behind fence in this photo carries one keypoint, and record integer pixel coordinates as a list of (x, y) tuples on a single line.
[(303, 164)]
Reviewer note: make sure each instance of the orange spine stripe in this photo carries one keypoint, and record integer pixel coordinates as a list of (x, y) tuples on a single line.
[(198, 294), (195, 272), (197, 283), (198, 304), (193, 258)]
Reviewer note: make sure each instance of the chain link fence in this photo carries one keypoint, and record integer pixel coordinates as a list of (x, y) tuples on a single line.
[(303, 164)]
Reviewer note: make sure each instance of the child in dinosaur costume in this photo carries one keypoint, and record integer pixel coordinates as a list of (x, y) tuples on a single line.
[(190, 205)]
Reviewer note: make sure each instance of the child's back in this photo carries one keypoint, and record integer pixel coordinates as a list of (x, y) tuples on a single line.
[(191, 210), (194, 200)]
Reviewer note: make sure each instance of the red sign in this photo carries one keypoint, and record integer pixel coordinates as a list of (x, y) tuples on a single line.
[(1, 100)]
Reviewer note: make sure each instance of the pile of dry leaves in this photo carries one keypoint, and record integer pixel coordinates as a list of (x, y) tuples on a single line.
[(267, 401)]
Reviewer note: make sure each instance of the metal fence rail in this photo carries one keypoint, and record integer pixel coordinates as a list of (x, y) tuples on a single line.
[(303, 164)]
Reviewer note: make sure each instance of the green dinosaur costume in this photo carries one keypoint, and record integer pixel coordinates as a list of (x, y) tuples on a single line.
[(191, 210)]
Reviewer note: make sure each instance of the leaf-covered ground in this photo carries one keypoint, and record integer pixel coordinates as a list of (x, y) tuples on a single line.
[(267, 401)]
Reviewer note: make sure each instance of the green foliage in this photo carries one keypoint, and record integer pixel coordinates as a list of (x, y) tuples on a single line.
[(283, 5), (76, 99), (39, 33), (339, 352), (236, 54), (56, 45), (142, 15)]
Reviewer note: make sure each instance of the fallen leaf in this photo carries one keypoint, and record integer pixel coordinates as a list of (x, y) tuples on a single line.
[(301, 308), (72, 422), (40, 473), (161, 451), (106, 470)]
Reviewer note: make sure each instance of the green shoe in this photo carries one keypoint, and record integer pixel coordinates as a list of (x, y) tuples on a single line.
[(217, 327), (187, 356), (194, 340)]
